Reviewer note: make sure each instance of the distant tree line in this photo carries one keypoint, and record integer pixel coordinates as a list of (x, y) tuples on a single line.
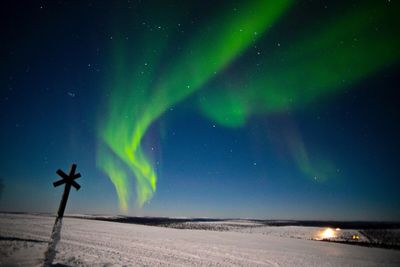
[(385, 237)]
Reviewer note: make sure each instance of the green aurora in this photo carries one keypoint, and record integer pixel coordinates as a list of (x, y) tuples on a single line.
[(343, 51), (203, 57), (340, 53)]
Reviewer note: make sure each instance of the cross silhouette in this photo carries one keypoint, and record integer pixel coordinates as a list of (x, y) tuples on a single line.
[(68, 180)]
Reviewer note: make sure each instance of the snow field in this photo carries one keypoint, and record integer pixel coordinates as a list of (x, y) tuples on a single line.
[(23, 241)]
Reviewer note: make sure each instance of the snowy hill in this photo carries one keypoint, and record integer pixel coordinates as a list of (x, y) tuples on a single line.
[(88, 242)]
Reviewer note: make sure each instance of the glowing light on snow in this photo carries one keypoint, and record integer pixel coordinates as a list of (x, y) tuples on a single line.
[(327, 233)]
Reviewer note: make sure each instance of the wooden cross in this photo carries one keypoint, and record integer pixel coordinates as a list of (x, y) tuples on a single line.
[(68, 180)]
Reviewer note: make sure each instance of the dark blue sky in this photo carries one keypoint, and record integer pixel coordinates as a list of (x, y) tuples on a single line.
[(55, 75)]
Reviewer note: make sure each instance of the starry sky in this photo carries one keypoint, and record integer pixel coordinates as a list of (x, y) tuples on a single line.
[(252, 109)]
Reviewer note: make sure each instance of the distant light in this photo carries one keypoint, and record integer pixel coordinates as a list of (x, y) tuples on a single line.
[(337, 229), (328, 233)]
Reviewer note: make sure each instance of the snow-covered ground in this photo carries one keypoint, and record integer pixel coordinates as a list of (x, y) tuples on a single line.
[(23, 241), (254, 227)]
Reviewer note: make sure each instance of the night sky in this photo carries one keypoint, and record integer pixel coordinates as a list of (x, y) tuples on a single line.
[(253, 109)]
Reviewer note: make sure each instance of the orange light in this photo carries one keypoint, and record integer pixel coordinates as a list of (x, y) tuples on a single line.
[(327, 233)]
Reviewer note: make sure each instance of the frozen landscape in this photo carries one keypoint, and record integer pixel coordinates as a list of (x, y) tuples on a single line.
[(266, 132), (88, 242)]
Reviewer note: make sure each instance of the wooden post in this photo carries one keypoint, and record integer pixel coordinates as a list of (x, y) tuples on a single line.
[(68, 180), (64, 200)]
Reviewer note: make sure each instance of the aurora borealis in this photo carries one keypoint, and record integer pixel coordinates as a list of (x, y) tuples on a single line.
[(191, 108), (200, 60), (313, 68)]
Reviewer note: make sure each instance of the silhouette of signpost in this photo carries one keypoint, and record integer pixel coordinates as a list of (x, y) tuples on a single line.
[(68, 180)]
